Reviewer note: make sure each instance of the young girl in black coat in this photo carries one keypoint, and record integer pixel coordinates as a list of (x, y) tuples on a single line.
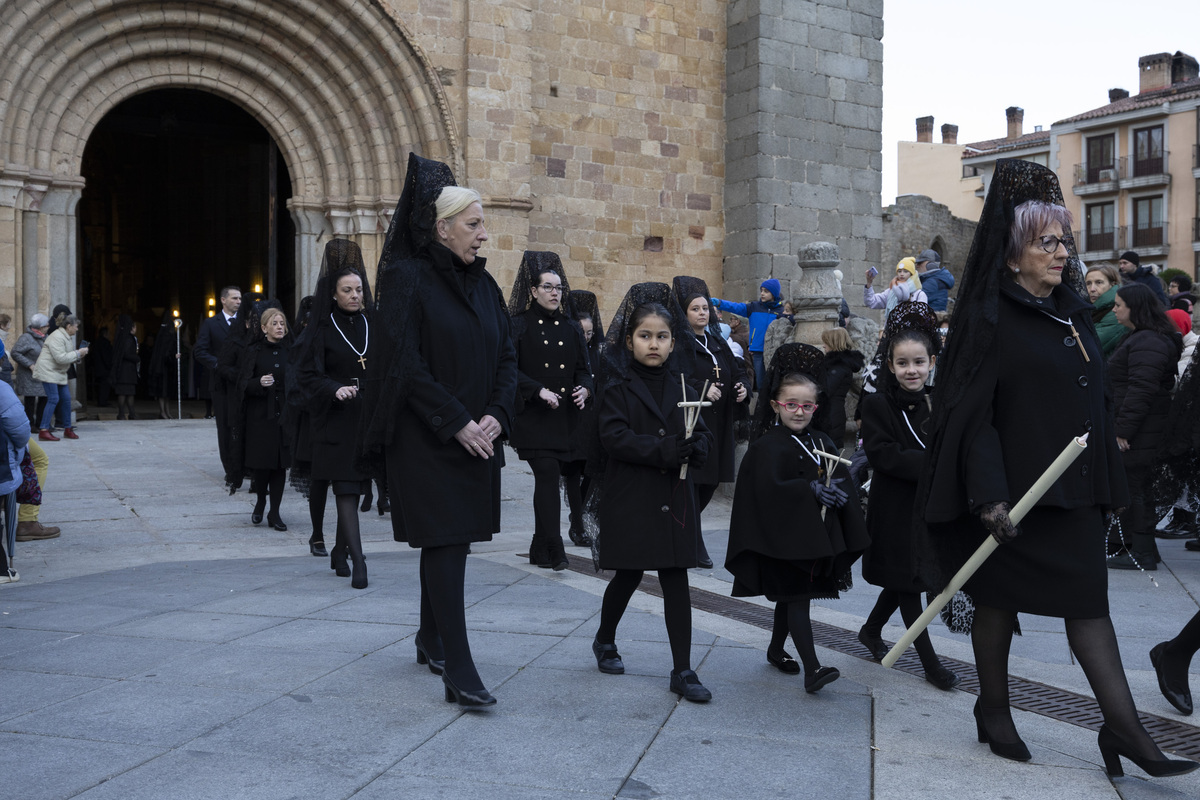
[(894, 428), (648, 518), (793, 534)]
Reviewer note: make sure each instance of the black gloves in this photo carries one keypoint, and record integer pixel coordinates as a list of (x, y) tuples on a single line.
[(994, 517), (691, 449), (831, 496)]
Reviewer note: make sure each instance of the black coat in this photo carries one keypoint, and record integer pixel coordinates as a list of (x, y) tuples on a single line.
[(126, 364), (721, 415), (649, 518), (334, 365), (467, 369), (778, 544), (897, 456), (209, 343), (1142, 373), (551, 354), (840, 367), (263, 409)]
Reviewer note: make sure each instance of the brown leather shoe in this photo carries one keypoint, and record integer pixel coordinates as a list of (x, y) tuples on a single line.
[(46, 436), (33, 531), (69, 433)]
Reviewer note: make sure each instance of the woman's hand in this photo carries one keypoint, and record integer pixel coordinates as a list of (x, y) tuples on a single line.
[(994, 517), (346, 393), (267, 380), (580, 395), (742, 392), (475, 439), (81, 352), (1122, 444), (491, 427), (870, 278), (548, 397), (714, 393)]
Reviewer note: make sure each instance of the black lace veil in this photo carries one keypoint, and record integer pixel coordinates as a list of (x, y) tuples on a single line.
[(909, 315), (789, 358), (686, 286), (533, 264), (584, 302)]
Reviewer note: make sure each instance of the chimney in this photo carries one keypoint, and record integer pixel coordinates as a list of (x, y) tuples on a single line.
[(924, 129), (949, 134), (1016, 121), (1155, 71), (1183, 68), (1117, 94)]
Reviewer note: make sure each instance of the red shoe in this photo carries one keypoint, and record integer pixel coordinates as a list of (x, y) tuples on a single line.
[(46, 436), (69, 433)]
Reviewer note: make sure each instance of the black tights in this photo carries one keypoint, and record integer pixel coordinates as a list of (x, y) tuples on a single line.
[(677, 609), (347, 526), (269, 481), (125, 406), (1094, 643), (443, 628), (547, 532), (909, 604), (794, 618), (1184, 646), (577, 484), (318, 495)]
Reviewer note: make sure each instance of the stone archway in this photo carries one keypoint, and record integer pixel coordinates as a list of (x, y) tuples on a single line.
[(341, 86)]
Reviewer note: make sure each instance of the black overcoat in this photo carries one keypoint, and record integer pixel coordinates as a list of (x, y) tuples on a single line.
[(126, 364), (649, 518), (335, 364), (1142, 373), (840, 368), (720, 416), (209, 343), (778, 544), (1034, 391), (263, 410), (551, 354), (467, 369), (897, 456)]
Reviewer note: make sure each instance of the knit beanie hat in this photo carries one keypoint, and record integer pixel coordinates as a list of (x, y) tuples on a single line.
[(1131, 257), (909, 265), (772, 286), (1181, 320)]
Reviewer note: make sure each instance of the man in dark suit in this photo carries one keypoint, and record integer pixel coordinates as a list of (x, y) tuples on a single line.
[(209, 342)]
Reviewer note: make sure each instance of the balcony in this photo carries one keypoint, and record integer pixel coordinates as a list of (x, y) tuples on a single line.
[(1104, 245), (1123, 173)]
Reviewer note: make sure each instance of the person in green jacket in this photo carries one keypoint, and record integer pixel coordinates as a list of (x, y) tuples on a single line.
[(1102, 281)]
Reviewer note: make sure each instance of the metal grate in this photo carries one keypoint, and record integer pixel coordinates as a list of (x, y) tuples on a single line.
[(1049, 701)]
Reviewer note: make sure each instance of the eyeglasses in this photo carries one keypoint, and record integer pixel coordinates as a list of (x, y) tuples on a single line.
[(549, 288), (792, 408), (1049, 243)]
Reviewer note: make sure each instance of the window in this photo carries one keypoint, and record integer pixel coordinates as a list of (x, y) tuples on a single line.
[(1100, 157), (1040, 158), (1148, 151), (1147, 221), (1099, 227)]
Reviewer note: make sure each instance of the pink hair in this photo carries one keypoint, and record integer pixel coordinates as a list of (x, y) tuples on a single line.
[(1029, 220)]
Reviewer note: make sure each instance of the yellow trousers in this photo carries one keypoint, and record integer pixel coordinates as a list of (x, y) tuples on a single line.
[(41, 465)]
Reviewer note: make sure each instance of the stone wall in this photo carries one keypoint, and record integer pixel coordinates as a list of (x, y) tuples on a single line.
[(804, 119), (915, 223)]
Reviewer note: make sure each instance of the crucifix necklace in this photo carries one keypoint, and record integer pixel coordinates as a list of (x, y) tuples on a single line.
[(1074, 333), (716, 366), (362, 356)]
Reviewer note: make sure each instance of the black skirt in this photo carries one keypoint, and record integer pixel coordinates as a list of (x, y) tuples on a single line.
[(1055, 567)]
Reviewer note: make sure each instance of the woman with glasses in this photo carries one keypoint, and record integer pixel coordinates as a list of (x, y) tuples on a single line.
[(554, 383), (1022, 374)]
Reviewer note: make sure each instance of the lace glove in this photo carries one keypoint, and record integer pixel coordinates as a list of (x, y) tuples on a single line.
[(831, 496), (994, 517)]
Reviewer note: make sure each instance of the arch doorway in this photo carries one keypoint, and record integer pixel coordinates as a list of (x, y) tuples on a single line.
[(185, 193)]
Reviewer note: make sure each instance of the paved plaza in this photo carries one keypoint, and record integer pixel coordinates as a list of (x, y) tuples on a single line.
[(164, 647)]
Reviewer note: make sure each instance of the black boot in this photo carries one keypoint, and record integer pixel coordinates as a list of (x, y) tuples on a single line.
[(539, 553)]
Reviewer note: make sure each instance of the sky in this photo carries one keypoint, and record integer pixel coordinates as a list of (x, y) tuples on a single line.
[(964, 62)]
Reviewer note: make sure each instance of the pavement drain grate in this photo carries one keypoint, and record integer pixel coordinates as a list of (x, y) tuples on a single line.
[(1049, 701)]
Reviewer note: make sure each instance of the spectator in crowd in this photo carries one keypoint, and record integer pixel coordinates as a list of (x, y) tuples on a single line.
[(936, 281)]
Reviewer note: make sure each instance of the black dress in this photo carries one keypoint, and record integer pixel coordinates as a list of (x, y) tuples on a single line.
[(778, 544), (264, 406), (1033, 392), (551, 354), (335, 422), (894, 424), (713, 361), (126, 362)]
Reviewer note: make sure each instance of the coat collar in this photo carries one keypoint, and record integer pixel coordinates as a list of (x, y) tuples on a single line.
[(670, 396)]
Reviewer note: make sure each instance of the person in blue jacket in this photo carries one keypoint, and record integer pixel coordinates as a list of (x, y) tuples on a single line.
[(935, 280), (760, 313)]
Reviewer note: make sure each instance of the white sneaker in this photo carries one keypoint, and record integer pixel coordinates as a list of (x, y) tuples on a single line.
[(9, 576)]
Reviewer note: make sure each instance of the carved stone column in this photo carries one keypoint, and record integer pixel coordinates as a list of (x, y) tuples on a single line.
[(815, 293), (313, 230)]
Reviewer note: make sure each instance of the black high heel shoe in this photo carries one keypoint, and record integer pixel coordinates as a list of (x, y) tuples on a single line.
[(1173, 687), (1112, 747), (337, 561), (476, 699), (256, 516), (317, 547), (1016, 751), (436, 665), (384, 505), (276, 523), (359, 581)]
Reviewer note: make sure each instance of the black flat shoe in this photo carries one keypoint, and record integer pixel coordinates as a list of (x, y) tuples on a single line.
[(783, 662), (705, 562), (822, 677), (874, 643), (607, 658), (436, 665), (256, 517), (686, 683), (942, 678), (1014, 751), (474, 699), (1173, 687), (1112, 747), (317, 547), (1192, 545), (277, 524)]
